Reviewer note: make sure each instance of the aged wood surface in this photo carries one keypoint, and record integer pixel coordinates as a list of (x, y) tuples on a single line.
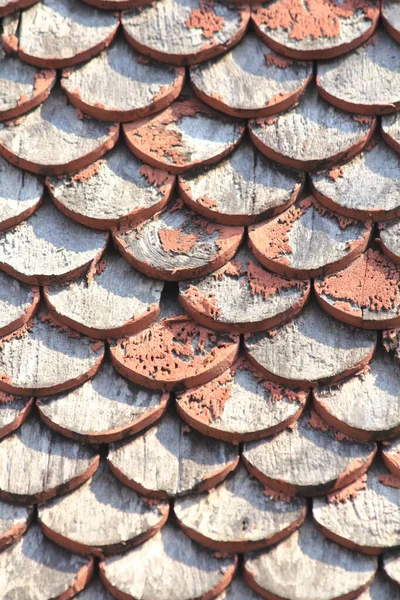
[(104, 409), (365, 81), (13, 411), (95, 589), (36, 568), (240, 405), (48, 247), (113, 191), (20, 194), (312, 347), (365, 517), (61, 34), (242, 189), (187, 134), (178, 244), (364, 188), (390, 239), (381, 589), (118, 85), (37, 464), (308, 458), (14, 521), (391, 457), (390, 127), (18, 303), (239, 515), (250, 80), (391, 18), (22, 87), (319, 569), (63, 142), (114, 301), (43, 358), (172, 568), (9, 6), (184, 31), (365, 294), (262, 298), (315, 30), (238, 590), (313, 135), (391, 565), (102, 516), (367, 404), (308, 240), (171, 460)]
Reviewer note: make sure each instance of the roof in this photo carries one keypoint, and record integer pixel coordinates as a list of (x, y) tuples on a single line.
[(199, 300)]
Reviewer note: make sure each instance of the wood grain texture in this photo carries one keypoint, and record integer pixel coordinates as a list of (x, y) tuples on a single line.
[(14, 521), (367, 521), (319, 569), (389, 239), (7, 7), (104, 409), (172, 567), (242, 189), (250, 80), (365, 81), (38, 464), (118, 85), (391, 18), (101, 517), (308, 458), (36, 568), (169, 460), (187, 134), (391, 457), (364, 188), (20, 194), (62, 141), (22, 87), (315, 30), (14, 410), (113, 191), (49, 248), (240, 405), (94, 590), (42, 357), (323, 134), (381, 589), (184, 31), (114, 4), (174, 353), (238, 515), (18, 302), (391, 565), (238, 590), (114, 301), (61, 34), (178, 244), (366, 405), (262, 298), (308, 240), (390, 129), (312, 348)]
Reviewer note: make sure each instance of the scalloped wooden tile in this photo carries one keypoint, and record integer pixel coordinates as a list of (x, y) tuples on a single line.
[(238, 590), (391, 18), (381, 589), (390, 128), (185, 31), (18, 303), (391, 457), (389, 239), (61, 34), (250, 80), (313, 135), (38, 464), (14, 521), (14, 410), (308, 459), (316, 28), (20, 194), (63, 142), (7, 7), (391, 565), (170, 460), (101, 517), (104, 409), (139, 87)]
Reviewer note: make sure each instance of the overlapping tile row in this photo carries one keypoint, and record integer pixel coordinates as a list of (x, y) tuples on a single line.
[(200, 296)]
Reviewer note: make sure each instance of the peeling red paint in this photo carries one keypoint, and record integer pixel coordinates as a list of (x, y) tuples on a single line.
[(312, 18), (50, 320), (205, 18), (370, 282), (363, 119), (156, 177), (18, 334), (316, 422), (86, 174), (390, 339), (276, 496), (390, 481), (276, 60), (204, 304), (10, 42), (206, 202), (97, 346), (4, 397), (335, 173), (350, 492), (176, 241)]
